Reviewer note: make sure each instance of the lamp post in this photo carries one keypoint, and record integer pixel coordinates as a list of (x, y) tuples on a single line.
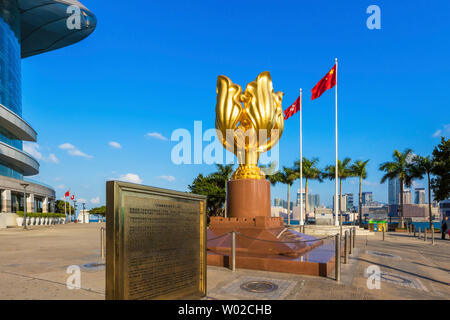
[(75, 211), (24, 185), (84, 212)]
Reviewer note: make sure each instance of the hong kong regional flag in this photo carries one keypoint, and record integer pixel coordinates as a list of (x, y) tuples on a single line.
[(327, 82), (293, 109)]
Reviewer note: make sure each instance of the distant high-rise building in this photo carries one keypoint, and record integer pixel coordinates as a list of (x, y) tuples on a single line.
[(346, 202), (349, 201), (277, 202), (407, 199), (367, 198), (419, 196), (313, 200), (394, 191)]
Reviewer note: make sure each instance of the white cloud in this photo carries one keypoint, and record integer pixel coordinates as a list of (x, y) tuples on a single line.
[(115, 145), (32, 149), (156, 135), (168, 178), (445, 131), (95, 200), (82, 200), (437, 133), (73, 151), (60, 186), (131, 177), (368, 183), (67, 146), (53, 158)]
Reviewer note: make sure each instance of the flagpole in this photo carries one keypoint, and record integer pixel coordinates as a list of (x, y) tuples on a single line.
[(301, 162), (336, 208), (65, 210)]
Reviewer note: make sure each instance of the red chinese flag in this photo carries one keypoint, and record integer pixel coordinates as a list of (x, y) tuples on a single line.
[(293, 109), (67, 194), (327, 82)]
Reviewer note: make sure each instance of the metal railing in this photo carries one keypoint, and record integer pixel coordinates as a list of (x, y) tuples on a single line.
[(349, 246)]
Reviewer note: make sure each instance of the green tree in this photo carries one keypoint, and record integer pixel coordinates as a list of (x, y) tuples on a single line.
[(287, 177), (101, 211), (310, 172), (213, 187), (441, 170), (344, 172), (359, 169), (400, 168), (59, 207), (424, 166)]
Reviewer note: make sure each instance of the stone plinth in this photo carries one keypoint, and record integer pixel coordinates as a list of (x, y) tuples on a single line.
[(248, 198)]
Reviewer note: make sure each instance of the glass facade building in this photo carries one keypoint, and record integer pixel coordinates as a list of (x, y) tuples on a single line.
[(27, 28), (10, 76)]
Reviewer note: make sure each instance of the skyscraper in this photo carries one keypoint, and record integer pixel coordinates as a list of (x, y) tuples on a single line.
[(313, 201), (349, 201), (419, 196), (394, 191), (346, 199), (407, 198), (367, 198)]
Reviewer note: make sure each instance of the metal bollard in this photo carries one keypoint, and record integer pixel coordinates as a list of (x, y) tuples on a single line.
[(354, 238), (102, 242), (337, 257), (414, 227), (346, 247), (425, 234), (350, 243), (419, 232), (432, 234), (233, 250), (384, 232)]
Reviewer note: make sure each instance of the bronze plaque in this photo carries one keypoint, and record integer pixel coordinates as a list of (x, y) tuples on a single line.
[(155, 243)]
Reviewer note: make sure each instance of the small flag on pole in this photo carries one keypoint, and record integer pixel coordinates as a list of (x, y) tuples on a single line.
[(293, 109), (327, 82), (72, 197), (67, 194)]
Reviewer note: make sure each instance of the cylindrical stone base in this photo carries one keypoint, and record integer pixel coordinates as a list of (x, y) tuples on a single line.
[(248, 198)]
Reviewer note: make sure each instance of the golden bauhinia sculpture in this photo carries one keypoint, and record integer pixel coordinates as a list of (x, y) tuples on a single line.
[(252, 128)]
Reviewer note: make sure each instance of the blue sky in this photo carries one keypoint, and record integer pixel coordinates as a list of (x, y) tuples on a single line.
[(151, 67)]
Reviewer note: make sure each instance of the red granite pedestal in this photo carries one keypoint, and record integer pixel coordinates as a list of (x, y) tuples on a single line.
[(263, 242)]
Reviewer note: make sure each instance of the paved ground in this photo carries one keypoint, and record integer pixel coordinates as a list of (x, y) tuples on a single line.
[(33, 265)]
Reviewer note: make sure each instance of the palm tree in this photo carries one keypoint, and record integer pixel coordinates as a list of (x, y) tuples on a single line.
[(310, 172), (359, 170), (399, 168), (344, 172), (420, 167), (287, 176)]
